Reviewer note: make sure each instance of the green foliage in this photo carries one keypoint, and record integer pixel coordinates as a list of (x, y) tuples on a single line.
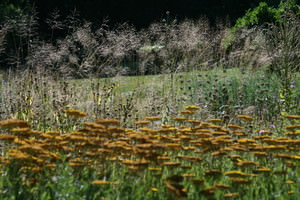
[(263, 14), (260, 15), (10, 8)]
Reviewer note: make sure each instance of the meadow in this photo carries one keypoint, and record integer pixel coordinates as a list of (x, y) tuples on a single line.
[(180, 110), (135, 138)]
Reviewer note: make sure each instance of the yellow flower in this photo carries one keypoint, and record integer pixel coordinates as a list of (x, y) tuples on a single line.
[(192, 108), (103, 182), (141, 122), (235, 174), (260, 154), (154, 169), (12, 123), (246, 163), (245, 117), (293, 127), (229, 195), (292, 116), (234, 127), (188, 175), (215, 120), (222, 186), (172, 164), (263, 169), (108, 122), (193, 121), (153, 118), (240, 181), (179, 118), (187, 112), (290, 182), (75, 113), (154, 189), (7, 137)]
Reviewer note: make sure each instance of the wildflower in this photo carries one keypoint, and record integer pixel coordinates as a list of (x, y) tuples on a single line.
[(208, 191), (290, 164), (265, 132), (215, 120), (189, 158), (246, 141), (172, 164), (260, 154), (222, 186), (292, 85), (136, 162), (272, 126), (154, 169), (291, 192), (152, 118), (103, 182), (293, 127), (246, 163), (218, 153), (234, 127), (166, 130), (235, 174), (289, 182), (295, 157), (193, 108), (133, 168), (263, 170), (20, 130), (179, 118), (187, 112), (53, 133), (116, 130), (75, 113), (167, 126), (195, 122), (229, 195), (240, 181), (8, 137), (239, 133), (18, 155), (142, 122), (292, 116), (245, 117), (188, 175), (108, 122), (12, 123), (204, 125)]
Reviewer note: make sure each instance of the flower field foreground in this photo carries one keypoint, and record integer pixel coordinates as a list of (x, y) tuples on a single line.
[(185, 159)]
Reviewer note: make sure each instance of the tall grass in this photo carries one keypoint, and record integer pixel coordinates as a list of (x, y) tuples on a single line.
[(220, 93)]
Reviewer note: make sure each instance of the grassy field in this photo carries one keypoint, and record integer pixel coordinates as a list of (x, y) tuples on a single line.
[(218, 92), (216, 134)]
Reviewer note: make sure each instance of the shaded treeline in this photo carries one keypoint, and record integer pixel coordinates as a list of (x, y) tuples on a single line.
[(139, 13)]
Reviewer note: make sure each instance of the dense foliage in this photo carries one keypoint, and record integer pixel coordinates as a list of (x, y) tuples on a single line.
[(141, 14), (263, 14)]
